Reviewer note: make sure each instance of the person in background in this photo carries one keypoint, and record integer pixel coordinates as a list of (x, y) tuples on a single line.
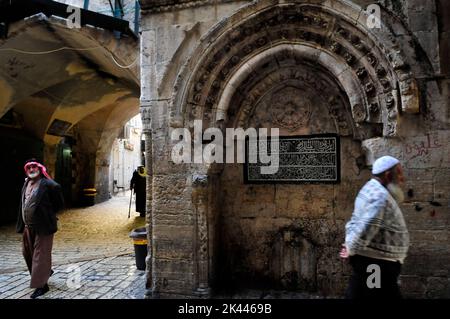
[(377, 234), (138, 184), (41, 199)]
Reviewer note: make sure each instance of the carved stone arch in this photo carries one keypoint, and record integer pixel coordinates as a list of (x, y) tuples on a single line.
[(383, 72), (302, 53), (300, 83)]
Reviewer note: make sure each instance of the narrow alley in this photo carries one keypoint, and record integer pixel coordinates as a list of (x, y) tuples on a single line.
[(93, 242), (278, 149)]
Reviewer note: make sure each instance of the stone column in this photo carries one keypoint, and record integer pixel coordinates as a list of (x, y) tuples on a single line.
[(147, 131), (200, 201)]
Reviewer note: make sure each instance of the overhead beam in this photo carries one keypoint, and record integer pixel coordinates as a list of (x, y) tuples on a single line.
[(14, 10)]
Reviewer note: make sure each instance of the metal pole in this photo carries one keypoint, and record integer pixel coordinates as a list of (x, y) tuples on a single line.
[(129, 207), (136, 17)]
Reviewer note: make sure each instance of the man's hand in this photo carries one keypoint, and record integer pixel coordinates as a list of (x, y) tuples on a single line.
[(344, 253)]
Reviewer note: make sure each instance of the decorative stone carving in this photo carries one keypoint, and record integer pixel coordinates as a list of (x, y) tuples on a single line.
[(344, 33), (200, 200), (293, 260), (336, 109), (349, 58), (361, 73), (176, 121), (235, 59), (369, 88), (380, 71), (372, 59), (374, 108), (261, 41), (392, 115), (386, 84), (197, 98), (305, 24), (290, 108), (335, 47), (362, 48), (354, 39), (146, 117), (397, 61), (390, 101), (359, 113), (302, 85), (409, 96), (391, 129)]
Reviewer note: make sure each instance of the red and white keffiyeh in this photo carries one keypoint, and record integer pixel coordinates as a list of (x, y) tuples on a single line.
[(41, 168)]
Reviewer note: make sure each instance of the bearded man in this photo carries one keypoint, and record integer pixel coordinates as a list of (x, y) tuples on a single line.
[(377, 238), (40, 201)]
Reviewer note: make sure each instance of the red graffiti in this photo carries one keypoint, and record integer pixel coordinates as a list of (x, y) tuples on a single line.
[(421, 148)]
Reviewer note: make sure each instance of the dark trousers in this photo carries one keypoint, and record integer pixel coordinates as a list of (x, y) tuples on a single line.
[(358, 287), (37, 251)]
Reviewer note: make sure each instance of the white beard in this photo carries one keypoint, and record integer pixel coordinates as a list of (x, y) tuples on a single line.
[(396, 192), (33, 175)]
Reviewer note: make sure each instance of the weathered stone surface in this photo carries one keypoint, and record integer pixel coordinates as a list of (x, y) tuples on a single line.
[(424, 216), (438, 287), (413, 286), (172, 283), (420, 152), (442, 187), (252, 215), (168, 247), (169, 194), (263, 65), (418, 190), (172, 219), (422, 239), (426, 263), (147, 76)]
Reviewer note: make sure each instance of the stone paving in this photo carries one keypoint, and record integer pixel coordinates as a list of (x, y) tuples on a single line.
[(92, 242), (106, 278)]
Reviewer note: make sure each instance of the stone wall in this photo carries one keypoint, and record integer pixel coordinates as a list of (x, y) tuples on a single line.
[(171, 270), (383, 91), (254, 218), (426, 160)]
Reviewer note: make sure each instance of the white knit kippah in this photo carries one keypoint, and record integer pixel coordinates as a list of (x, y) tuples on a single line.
[(383, 164)]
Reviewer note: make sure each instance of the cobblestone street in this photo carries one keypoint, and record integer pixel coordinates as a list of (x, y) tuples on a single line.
[(93, 242)]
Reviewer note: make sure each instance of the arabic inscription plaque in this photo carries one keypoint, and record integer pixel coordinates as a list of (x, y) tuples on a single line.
[(302, 159)]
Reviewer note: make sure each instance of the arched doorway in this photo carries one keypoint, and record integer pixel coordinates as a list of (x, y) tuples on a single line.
[(306, 68), (278, 235)]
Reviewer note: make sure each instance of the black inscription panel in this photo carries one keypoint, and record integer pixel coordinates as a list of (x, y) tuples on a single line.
[(302, 159)]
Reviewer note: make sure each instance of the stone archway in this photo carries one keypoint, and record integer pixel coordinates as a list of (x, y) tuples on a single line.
[(284, 236), (78, 83), (370, 64), (323, 56)]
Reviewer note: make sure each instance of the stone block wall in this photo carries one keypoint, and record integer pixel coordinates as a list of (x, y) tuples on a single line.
[(248, 224), (170, 217), (426, 162), (252, 217)]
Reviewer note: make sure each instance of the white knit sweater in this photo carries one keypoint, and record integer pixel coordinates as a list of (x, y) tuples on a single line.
[(377, 228)]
